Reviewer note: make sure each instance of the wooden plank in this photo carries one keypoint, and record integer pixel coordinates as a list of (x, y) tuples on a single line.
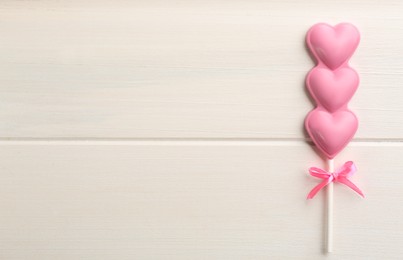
[(200, 200), (195, 69)]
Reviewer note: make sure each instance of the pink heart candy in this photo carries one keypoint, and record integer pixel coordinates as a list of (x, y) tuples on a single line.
[(331, 132), (333, 46), (332, 89)]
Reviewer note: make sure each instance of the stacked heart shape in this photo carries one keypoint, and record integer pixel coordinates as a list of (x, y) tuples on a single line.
[(332, 83)]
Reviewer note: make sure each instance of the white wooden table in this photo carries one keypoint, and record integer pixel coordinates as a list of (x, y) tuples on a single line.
[(174, 130)]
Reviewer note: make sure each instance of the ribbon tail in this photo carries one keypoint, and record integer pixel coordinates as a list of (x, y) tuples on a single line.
[(348, 183), (317, 188)]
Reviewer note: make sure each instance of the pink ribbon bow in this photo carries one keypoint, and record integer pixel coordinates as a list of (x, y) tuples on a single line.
[(341, 175)]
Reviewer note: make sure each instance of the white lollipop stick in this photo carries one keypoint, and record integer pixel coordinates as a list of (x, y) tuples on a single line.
[(329, 209)]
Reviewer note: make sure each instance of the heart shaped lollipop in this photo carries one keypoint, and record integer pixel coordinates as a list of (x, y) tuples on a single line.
[(331, 125), (333, 45), (332, 89), (331, 132)]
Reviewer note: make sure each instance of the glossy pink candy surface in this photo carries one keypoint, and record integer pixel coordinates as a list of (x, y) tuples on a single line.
[(332, 83)]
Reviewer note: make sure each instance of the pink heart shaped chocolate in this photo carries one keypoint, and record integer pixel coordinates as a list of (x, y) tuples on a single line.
[(333, 46), (332, 89), (331, 132)]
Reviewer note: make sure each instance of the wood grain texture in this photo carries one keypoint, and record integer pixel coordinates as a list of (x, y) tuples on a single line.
[(193, 69), (192, 201), (194, 113)]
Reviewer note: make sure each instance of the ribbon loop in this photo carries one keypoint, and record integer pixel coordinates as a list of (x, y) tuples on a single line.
[(341, 175)]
